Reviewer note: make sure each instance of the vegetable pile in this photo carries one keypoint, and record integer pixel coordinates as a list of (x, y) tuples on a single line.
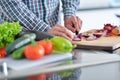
[(38, 49), (107, 31), (26, 46), (8, 31)]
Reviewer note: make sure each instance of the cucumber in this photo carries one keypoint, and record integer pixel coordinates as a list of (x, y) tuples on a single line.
[(18, 54), (20, 42), (39, 35)]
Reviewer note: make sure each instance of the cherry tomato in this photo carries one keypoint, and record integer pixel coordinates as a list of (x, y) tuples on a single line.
[(34, 52), (48, 46), (2, 52)]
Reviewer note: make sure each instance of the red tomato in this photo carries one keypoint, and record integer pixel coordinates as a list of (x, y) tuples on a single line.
[(2, 52), (34, 52), (37, 77), (49, 74), (48, 46)]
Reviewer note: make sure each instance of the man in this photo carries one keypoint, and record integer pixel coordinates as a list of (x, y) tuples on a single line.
[(43, 15)]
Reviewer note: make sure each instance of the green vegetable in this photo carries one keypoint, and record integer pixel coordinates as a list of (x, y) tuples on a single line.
[(20, 42), (8, 31), (68, 72), (19, 53), (65, 73), (62, 45)]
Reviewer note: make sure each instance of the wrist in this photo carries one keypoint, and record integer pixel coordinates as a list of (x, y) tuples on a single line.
[(69, 13)]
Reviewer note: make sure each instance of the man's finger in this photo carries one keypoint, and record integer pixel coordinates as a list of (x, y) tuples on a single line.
[(70, 27), (75, 23), (70, 33), (62, 31), (61, 34), (79, 23), (66, 32)]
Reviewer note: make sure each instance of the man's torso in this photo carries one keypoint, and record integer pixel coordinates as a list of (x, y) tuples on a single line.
[(46, 10)]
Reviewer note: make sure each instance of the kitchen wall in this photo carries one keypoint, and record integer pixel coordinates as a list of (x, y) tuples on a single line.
[(88, 4)]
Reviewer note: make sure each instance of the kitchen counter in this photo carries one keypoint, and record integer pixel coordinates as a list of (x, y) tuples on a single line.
[(81, 59)]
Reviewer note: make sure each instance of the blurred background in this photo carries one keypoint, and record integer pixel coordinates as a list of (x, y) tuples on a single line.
[(96, 13), (93, 4), (92, 10)]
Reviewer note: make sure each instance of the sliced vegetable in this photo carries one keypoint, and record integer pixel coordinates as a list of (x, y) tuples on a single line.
[(115, 31), (107, 27), (76, 38), (85, 35), (107, 31), (22, 41), (79, 35), (98, 35), (90, 38)]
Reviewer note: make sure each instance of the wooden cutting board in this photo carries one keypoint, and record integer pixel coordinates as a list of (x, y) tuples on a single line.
[(102, 43)]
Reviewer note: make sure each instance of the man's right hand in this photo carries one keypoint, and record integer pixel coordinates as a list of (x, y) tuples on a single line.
[(59, 30)]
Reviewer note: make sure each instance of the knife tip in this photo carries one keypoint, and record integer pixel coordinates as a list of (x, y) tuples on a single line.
[(76, 32)]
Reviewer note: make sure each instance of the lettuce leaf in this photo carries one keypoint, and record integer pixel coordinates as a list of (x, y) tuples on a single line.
[(8, 31)]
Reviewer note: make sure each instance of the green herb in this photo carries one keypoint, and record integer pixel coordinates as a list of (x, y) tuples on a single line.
[(8, 31)]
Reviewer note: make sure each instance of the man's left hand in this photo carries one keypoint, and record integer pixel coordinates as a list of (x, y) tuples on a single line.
[(73, 23)]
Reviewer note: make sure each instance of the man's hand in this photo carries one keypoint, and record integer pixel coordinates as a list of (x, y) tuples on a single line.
[(73, 23), (59, 30)]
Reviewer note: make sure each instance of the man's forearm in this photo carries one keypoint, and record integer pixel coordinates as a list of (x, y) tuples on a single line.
[(16, 10)]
